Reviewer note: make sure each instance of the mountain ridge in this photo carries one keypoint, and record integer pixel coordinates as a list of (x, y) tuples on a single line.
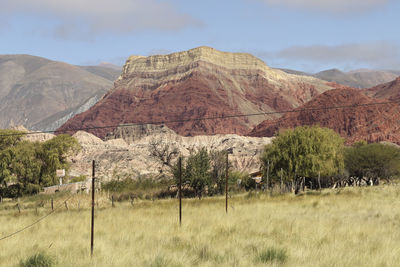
[(188, 85)]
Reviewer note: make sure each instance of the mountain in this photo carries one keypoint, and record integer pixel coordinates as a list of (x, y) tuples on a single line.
[(362, 78), (42, 94), (198, 83), (370, 122), (390, 90)]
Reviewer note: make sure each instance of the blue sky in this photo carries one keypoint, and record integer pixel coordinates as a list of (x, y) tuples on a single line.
[(308, 35)]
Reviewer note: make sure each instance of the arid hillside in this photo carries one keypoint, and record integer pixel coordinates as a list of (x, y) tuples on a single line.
[(42, 94), (390, 90), (198, 83), (359, 119)]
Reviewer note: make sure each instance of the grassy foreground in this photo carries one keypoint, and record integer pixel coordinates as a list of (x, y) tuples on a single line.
[(348, 227)]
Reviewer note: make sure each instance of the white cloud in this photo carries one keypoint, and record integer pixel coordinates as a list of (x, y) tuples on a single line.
[(331, 6), (378, 55), (90, 17)]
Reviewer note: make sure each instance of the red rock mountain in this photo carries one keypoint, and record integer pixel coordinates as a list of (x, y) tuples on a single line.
[(372, 123), (390, 90), (193, 84)]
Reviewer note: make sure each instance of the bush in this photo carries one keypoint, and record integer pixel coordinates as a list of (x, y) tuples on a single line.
[(12, 191), (272, 255), (80, 178), (374, 161), (38, 260)]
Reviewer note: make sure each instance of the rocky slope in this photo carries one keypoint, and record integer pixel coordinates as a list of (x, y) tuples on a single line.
[(372, 123), (37, 92), (198, 83), (390, 90), (117, 158)]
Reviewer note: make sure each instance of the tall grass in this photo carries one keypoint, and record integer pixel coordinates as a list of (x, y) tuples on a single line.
[(349, 227)]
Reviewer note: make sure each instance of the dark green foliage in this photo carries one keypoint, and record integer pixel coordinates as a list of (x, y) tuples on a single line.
[(304, 152), (197, 171), (271, 255), (80, 178), (246, 181), (9, 138), (32, 165), (373, 160), (217, 171), (38, 260), (204, 172)]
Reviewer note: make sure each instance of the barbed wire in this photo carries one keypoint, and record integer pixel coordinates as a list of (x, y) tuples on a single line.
[(37, 221), (204, 118)]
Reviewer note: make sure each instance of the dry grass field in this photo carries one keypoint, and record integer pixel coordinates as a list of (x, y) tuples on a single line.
[(347, 227)]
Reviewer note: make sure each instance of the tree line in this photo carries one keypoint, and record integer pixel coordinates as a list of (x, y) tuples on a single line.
[(317, 157)]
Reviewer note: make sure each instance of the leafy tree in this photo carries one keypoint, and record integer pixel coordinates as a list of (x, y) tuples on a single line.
[(197, 171), (53, 155), (32, 165), (373, 161), (218, 169), (203, 169), (9, 138), (304, 152)]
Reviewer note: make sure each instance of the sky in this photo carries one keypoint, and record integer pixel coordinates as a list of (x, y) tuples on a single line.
[(305, 35)]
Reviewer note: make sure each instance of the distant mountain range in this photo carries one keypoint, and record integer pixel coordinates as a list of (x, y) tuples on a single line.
[(182, 87), (42, 94), (363, 78)]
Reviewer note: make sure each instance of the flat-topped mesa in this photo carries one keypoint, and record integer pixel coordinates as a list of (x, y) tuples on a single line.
[(207, 54), (182, 88)]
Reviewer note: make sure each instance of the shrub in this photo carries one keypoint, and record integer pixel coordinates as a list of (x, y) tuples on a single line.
[(272, 255), (38, 260)]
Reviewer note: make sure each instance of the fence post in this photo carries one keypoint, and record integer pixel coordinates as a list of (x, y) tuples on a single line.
[(281, 180), (112, 201), (268, 176), (92, 224), (180, 190), (52, 205), (226, 182), (319, 180)]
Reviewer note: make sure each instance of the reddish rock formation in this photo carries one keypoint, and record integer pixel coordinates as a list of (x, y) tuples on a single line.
[(390, 90), (372, 123), (181, 88)]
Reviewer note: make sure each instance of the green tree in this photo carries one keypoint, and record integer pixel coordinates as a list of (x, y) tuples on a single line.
[(32, 165), (304, 152), (8, 140), (197, 171), (374, 161), (53, 155), (218, 169)]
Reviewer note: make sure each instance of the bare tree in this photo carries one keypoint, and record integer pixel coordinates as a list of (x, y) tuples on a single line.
[(163, 152)]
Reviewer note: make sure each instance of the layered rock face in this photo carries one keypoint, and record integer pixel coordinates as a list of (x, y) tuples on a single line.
[(370, 122), (188, 90)]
